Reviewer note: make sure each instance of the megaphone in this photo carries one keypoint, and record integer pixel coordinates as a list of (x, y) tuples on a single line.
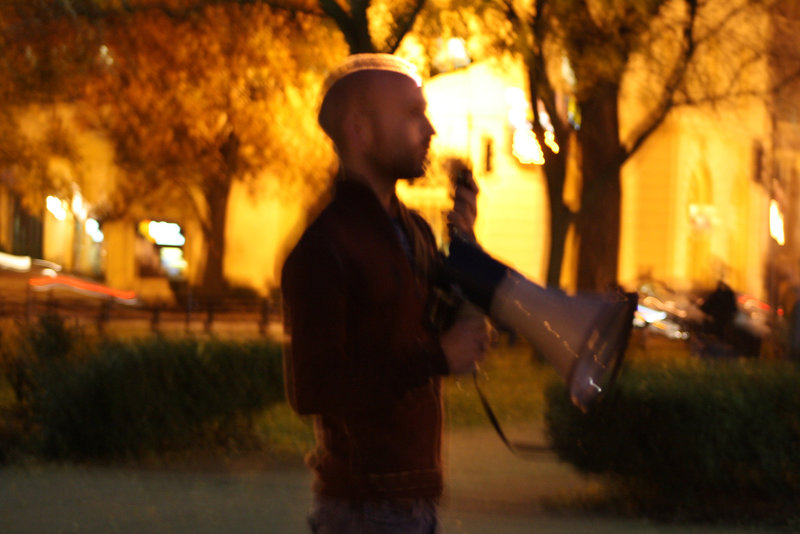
[(583, 336)]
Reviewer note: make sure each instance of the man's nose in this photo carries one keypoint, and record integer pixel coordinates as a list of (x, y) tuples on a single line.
[(431, 129)]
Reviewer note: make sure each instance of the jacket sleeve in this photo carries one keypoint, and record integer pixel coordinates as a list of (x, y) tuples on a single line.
[(321, 377)]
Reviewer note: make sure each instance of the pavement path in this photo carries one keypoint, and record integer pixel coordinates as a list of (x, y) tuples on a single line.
[(489, 491)]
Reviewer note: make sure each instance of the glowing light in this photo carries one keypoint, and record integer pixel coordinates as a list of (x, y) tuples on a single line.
[(165, 233), (550, 141), (173, 261), (776, 223), (457, 51), (105, 56), (451, 54), (82, 286), (78, 207), (57, 207), (15, 263), (649, 315), (93, 230), (526, 148), (701, 216), (518, 108), (524, 144)]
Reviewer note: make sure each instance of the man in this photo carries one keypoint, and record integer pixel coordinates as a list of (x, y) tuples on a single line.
[(365, 357)]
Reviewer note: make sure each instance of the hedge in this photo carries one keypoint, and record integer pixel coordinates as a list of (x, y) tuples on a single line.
[(695, 435), (153, 395)]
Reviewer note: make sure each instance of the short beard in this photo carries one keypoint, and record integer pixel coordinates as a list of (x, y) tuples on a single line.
[(412, 179)]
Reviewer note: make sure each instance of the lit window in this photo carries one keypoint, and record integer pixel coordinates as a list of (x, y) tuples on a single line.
[(93, 230), (526, 148), (776, 222), (57, 207), (163, 233)]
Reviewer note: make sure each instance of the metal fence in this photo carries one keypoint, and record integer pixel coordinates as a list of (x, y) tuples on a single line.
[(244, 318)]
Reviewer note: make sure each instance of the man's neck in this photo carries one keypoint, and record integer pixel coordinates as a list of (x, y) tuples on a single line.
[(383, 188)]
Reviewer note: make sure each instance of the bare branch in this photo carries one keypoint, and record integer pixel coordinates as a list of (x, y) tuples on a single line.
[(673, 82), (403, 26), (354, 26)]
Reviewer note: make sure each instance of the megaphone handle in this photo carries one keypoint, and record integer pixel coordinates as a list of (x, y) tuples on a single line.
[(520, 449)]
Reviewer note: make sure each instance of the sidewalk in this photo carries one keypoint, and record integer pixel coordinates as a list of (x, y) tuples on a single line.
[(489, 491)]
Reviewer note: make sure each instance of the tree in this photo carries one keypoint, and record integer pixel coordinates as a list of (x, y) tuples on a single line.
[(201, 101), (383, 32), (667, 43), (26, 163), (195, 95), (33, 72), (530, 33)]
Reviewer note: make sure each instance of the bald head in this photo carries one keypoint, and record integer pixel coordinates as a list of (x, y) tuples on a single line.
[(354, 84), (361, 92), (374, 110)]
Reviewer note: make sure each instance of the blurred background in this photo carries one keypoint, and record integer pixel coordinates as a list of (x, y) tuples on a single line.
[(158, 158)]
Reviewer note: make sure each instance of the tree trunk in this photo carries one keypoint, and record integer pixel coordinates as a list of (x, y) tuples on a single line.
[(599, 217), (555, 164), (353, 23), (555, 170), (216, 195)]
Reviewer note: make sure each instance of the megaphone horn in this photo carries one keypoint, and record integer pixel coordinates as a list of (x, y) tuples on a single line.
[(583, 336)]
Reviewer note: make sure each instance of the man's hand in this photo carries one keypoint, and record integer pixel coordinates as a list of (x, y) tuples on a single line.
[(465, 344), (465, 206)]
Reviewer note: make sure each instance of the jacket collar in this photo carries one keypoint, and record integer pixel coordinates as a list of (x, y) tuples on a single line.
[(352, 195)]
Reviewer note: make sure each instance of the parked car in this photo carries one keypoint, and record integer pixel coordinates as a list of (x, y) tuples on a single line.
[(665, 311)]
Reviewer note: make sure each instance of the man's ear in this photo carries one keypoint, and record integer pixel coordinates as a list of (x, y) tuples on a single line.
[(352, 133), (361, 127)]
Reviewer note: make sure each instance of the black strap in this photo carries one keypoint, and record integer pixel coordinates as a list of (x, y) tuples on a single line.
[(524, 450)]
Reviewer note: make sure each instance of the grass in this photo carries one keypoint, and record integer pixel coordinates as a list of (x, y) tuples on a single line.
[(512, 378), (286, 435)]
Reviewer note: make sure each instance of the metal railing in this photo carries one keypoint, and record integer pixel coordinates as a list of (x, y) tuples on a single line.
[(228, 317)]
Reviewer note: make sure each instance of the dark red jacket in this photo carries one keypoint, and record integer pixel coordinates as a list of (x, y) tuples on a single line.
[(363, 357)]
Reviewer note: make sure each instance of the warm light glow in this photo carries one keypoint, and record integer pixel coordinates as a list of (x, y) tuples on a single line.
[(57, 207), (518, 108), (649, 315), (173, 261), (701, 216), (776, 223), (524, 144), (78, 207), (526, 148), (15, 263), (82, 286), (163, 233), (105, 56), (550, 141), (457, 51), (93, 230)]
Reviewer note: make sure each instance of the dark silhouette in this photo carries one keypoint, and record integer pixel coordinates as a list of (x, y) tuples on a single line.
[(364, 358)]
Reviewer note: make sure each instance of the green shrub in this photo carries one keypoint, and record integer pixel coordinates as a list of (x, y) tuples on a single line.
[(27, 349), (155, 395), (695, 436), (27, 352)]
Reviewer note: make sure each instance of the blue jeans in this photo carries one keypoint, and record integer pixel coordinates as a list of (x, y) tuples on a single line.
[(336, 516)]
